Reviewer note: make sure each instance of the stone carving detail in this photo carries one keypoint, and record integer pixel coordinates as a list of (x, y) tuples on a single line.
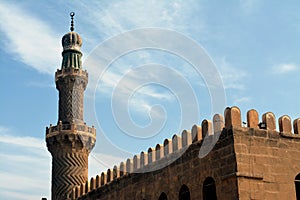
[(71, 89), (68, 170)]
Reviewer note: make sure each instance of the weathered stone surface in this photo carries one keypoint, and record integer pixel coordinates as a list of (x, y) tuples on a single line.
[(269, 120), (296, 125), (196, 133), (186, 138), (243, 165), (252, 119), (218, 123), (285, 124), (206, 128), (232, 117), (176, 143), (168, 147)]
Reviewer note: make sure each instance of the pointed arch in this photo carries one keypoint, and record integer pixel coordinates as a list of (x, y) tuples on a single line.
[(209, 189), (163, 196), (184, 193)]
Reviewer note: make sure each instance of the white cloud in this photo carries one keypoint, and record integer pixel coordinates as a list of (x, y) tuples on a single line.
[(119, 16), (23, 141), (232, 76), (241, 100), (25, 163), (284, 68), (29, 39)]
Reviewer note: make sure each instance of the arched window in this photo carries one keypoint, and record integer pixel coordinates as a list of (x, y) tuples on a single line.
[(297, 185), (209, 189), (184, 193), (163, 196)]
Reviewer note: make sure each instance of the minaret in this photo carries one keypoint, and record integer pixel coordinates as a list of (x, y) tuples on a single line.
[(71, 140)]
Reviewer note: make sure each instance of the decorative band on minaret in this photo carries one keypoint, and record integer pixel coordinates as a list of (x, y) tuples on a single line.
[(70, 141)]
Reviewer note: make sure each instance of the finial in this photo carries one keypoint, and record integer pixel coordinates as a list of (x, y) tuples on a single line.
[(72, 21)]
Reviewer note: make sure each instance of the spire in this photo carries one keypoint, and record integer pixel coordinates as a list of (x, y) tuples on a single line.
[(72, 14)]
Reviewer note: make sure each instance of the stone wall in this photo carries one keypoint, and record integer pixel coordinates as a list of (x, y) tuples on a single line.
[(253, 161), (268, 161)]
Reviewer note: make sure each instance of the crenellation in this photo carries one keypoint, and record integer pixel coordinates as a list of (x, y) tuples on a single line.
[(143, 159), (103, 179), (136, 162), (167, 147), (218, 123), (122, 169), (232, 117), (129, 166), (82, 189), (98, 181), (116, 172), (87, 187), (92, 183), (296, 125), (159, 153), (176, 143), (252, 119), (196, 133), (77, 191), (206, 128), (186, 137), (269, 120), (151, 155), (109, 175), (285, 124)]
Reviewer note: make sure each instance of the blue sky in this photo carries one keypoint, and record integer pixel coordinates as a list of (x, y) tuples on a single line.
[(253, 44)]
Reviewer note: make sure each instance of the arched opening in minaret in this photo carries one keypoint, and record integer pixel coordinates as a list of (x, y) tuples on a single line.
[(163, 196), (184, 193), (209, 189), (297, 185)]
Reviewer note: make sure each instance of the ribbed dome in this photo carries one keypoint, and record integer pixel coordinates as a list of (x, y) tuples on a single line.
[(71, 41)]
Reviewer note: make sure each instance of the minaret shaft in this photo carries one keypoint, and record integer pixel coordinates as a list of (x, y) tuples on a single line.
[(71, 92)]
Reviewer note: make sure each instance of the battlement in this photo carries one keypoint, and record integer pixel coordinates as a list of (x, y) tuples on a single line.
[(164, 154)]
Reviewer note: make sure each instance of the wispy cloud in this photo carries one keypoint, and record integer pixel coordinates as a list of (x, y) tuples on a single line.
[(28, 36), (241, 100), (25, 162), (119, 16), (23, 141), (232, 76), (284, 68)]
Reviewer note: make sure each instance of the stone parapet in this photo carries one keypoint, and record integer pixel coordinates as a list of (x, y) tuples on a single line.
[(70, 71), (216, 131), (66, 128)]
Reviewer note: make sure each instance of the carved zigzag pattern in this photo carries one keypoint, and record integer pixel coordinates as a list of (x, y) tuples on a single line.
[(68, 171), (71, 102)]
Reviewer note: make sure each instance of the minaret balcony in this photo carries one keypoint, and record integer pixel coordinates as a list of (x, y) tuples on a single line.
[(68, 128)]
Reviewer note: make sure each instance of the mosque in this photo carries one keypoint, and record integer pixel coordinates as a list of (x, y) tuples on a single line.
[(258, 161)]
